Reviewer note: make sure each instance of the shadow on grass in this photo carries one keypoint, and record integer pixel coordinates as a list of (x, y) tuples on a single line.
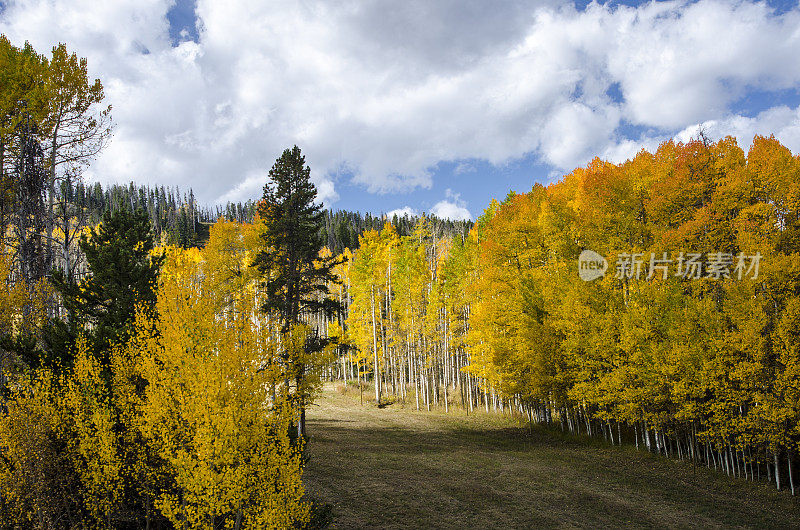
[(512, 477), (399, 468)]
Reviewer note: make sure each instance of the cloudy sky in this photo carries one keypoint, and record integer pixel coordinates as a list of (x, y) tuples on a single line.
[(418, 105)]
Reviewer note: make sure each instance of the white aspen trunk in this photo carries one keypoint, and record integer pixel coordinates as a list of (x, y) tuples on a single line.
[(427, 379), (434, 373), (726, 450), (789, 461), (384, 332), (769, 468), (777, 471), (376, 368), (393, 368), (586, 419), (412, 366), (416, 390), (415, 371), (469, 395), (404, 374), (744, 466), (445, 398), (360, 388)]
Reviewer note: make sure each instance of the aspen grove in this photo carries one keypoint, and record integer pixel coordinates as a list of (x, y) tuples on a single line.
[(702, 366), (158, 358)]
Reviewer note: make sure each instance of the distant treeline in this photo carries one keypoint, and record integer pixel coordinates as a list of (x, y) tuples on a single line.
[(178, 219)]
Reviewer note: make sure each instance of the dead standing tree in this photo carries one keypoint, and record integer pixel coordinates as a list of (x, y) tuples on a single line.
[(29, 219)]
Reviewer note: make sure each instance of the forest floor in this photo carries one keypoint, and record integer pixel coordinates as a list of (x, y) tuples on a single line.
[(396, 467)]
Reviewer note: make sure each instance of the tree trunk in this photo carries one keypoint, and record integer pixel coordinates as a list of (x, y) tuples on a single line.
[(376, 367), (51, 199)]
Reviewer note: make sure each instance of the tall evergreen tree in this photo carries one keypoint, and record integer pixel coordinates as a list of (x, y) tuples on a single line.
[(122, 276), (296, 277)]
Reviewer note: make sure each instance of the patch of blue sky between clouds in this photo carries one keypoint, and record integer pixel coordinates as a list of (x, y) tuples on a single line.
[(614, 92), (782, 6), (183, 22), (475, 181), (779, 7), (632, 131), (756, 101), (583, 4)]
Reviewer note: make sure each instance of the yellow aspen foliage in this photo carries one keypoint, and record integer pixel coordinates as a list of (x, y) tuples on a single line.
[(36, 478), (144, 472), (22, 308), (95, 447), (364, 314), (680, 359), (189, 421), (210, 407)]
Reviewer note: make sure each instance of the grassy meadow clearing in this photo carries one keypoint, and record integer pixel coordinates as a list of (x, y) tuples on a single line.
[(396, 467)]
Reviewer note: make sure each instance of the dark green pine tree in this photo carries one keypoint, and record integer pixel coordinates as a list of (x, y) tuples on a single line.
[(296, 279), (122, 276)]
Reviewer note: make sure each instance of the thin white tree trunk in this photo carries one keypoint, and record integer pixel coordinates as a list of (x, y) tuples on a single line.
[(376, 367)]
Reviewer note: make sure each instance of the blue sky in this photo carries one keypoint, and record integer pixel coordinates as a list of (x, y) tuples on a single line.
[(423, 105)]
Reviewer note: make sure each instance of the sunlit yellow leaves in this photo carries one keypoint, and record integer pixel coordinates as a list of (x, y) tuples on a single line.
[(715, 357), (211, 409), (95, 449)]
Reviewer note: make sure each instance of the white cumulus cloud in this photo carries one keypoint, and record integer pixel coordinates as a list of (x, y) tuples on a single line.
[(380, 92), (405, 211), (452, 207)]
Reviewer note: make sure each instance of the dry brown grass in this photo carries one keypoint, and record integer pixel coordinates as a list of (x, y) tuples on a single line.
[(399, 468)]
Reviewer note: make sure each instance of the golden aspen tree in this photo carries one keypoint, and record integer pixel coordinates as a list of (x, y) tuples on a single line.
[(364, 317), (410, 282), (38, 481), (209, 407), (95, 447), (698, 363)]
